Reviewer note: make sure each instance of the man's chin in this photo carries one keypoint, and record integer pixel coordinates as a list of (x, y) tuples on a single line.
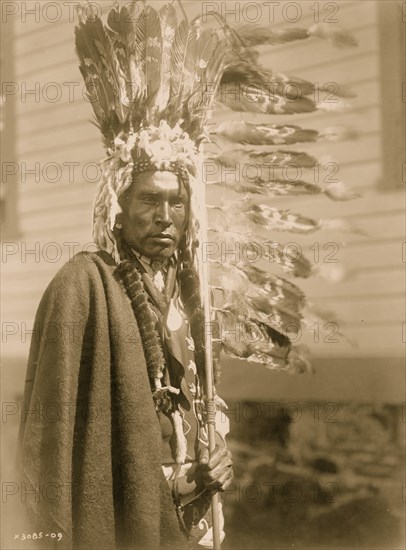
[(160, 251)]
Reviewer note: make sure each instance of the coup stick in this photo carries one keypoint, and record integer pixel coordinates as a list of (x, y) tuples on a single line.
[(210, 404)]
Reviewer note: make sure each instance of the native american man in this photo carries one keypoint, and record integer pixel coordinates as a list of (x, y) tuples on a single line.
[(108, 459), (118, 344)]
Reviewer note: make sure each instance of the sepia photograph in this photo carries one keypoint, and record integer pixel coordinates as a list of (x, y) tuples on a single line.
[(203, 251)]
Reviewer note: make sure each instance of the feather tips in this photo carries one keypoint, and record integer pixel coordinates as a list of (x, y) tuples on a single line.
[(149, 69), (156, 68), (272, 187), (257, 35), (272, 134), (168, 19), (153, 52), (278, 158)]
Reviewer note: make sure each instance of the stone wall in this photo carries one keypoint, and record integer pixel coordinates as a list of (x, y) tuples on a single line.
[(316, 475)]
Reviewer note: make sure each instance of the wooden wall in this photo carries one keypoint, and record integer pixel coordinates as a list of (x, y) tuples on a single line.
[(55, 140)]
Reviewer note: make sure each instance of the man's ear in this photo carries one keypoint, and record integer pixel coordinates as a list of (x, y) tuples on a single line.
[(118, 223)]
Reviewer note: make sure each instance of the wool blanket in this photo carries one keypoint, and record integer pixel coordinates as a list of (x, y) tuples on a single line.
[(90, 441)]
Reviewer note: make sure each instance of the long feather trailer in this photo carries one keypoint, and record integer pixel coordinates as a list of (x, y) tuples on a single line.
[(154, 79), (156, 67), (277, 158), (273, 219), (257, 35), (272, 134)]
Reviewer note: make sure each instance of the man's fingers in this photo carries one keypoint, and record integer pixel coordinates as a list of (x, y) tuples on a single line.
[(225, 476), (210, 460), (204, 455), (223, 480), (217, 456), (222, 459), (228, 481), (216, 467), (218, 470)]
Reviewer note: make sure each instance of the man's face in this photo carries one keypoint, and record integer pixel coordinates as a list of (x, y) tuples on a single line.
[(154, 214)]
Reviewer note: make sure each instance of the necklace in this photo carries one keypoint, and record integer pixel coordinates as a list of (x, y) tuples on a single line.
[(164, 297), (133, 282)]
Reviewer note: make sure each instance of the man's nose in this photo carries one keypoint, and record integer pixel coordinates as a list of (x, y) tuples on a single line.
[(163, 216)]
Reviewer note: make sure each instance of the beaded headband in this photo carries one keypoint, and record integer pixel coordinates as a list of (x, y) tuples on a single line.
[(148, 166)]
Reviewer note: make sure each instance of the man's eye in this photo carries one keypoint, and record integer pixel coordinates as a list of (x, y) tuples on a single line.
[(179, 203), (150, 200)]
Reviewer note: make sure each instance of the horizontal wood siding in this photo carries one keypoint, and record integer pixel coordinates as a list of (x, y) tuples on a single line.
[(55, 202)]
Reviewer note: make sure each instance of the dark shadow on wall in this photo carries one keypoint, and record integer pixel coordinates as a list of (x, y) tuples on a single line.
[(304, 482)]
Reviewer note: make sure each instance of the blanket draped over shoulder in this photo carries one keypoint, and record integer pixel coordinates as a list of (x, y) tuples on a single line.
[(90, 443)]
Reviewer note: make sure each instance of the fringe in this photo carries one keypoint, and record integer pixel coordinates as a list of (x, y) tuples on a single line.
[(181, 444), (132, 281)]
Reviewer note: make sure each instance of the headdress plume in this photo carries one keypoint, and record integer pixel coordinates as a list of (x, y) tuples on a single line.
[(154, 79)]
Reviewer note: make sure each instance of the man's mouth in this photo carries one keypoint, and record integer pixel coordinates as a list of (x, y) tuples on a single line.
[(164, 237)]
